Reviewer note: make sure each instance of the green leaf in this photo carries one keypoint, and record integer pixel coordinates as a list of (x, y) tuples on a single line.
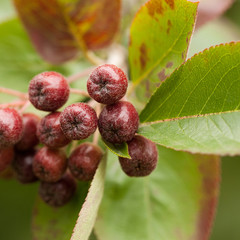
[(120, 150), (88, 213), (159, 39), (16, 203), (57, 223), (197, 108), (214, 134), (177, 201)]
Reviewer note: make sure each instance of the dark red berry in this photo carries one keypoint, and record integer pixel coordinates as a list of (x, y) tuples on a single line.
[(22, 165), (58, 193), (50, 133), (107, 84), (118, 122), (144, 156), (84, 161), (49, 165), (6, 157), (78, 121), (11, 127), (48, 91), (29, 138)]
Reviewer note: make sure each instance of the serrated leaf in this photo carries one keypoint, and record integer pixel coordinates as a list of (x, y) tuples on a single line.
[(177, 201), (159, 39), (206, 84), (214, 134), (88, 213), (120, 150), (59, 28), (57, 223)]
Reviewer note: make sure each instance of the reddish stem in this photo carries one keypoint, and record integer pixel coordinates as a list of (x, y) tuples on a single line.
[(82, 74), (79, 92), (13, 93), (25, 106), (13, 104)]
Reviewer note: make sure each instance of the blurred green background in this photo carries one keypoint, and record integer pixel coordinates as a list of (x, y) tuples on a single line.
[(16, 200)]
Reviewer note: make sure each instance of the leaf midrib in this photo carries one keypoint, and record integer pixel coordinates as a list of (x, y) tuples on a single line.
[(151, 69), (144, 124)]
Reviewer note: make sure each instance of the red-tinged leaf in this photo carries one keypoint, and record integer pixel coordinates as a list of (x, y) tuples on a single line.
[(58, 28), (47, 29), (94, 22), (208, 10), (159, 40), (176, 202)]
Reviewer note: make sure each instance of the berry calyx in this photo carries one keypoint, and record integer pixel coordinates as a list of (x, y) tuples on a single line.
[(58, 193), (78, 121), (144, 157), (107, 84), (22, 166), (118, 122), (84, 161), (11, 127), (50, 133), (49, 165), (29, 138), (6, 157), (48, 91)]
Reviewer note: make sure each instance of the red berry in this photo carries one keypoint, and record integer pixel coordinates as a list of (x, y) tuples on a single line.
[(78, 121), (84, 161), (50, 133), (11, 127), (58, 193), (118, 122), (49, 165), (144, 156), (107, 84), (29, 138), (22, 165), (6, 157), (48, 91)]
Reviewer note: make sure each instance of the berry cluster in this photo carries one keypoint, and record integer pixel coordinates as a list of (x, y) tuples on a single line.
[(117, 123)]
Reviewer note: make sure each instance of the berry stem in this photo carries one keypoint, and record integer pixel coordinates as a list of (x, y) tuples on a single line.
[(13, 93), (13, 104), (25, 106), (79, 75), (92, 58), (96, 134), (79, 92)]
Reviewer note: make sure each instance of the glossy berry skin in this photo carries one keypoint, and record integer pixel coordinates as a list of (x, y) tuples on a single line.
[(22, 166), (144, 157), (6, 157), (49, 165), (11, 127), (107, 84), (29, 138), (118, 122), (50, 133), (48, 91), (84, 160), (78, 121), (58, 193)]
